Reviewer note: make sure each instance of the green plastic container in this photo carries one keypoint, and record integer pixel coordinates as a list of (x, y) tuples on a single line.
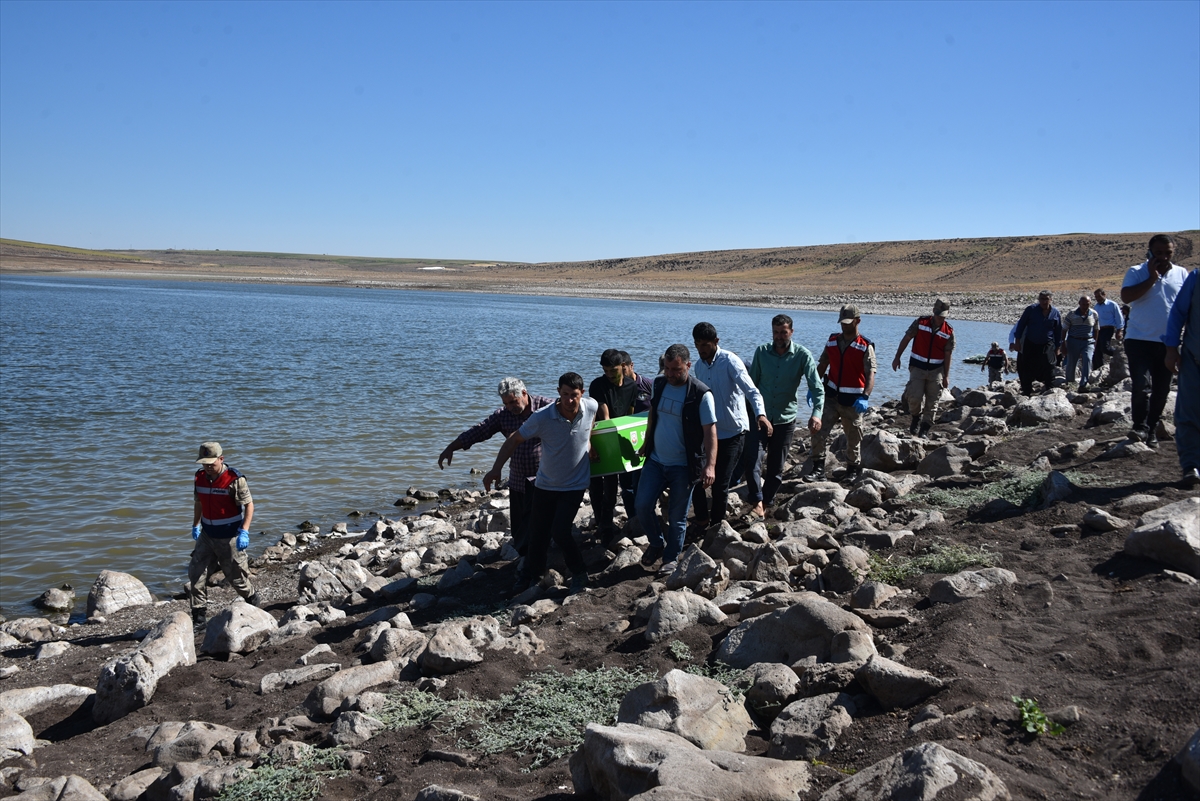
[(617, 441)]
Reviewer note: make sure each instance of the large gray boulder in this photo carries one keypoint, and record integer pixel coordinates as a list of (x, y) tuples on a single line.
[(673, 611), (352, 729), (896, 686), (809, 728), (921, 773), (239, 629), (320, 581), (698, 572), (16, 735), (326, 698), (1169, 535), (1045, 408), (113, 591), (458, 644), (63, 788), (28, 701), (398, 645), (174, 742), (948, 460), (128, 681), (697, 708), (619, 762), (969, 584), (31, 630), (806, 628), (885, 451)]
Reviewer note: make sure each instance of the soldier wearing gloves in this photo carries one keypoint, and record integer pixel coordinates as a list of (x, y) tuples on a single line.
[(220, 528)]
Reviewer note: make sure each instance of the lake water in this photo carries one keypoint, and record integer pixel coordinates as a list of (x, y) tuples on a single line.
[(328, 399)]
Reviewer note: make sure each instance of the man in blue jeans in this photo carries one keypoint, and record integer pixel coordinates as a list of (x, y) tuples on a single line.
[(1182, 347), (680, 451)]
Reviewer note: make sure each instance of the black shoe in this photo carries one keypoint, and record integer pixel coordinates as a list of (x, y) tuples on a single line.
[(652, 555), (523, 583), (199, 619), (1138, 433), (255, 600), (818, 474), (912, 427), (1191, 478), (924, 430), (579, 583), (853, 472), (1152, 437)]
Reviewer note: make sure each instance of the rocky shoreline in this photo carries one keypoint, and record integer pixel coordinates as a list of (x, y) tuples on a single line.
[(861, 637)]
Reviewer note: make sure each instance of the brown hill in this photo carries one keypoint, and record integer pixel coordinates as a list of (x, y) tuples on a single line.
[(994, 274)]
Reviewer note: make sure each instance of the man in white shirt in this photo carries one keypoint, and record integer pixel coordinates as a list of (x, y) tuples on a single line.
[(1150, 288), (725, 374)]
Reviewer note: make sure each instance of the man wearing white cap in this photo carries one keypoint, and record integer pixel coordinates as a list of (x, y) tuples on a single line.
[(221, 519)]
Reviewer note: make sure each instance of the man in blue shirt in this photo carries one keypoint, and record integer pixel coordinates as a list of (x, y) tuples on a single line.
[(1111, 325), (724, 373), (1183, 329), (1039, 342), (680, 451)]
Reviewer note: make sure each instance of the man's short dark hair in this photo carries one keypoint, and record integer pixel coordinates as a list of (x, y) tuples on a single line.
[(704, 332), (1045, 293), (1160, 239), (781, 319), (625, 358), (676, 352), (571, 381), (611, 358)]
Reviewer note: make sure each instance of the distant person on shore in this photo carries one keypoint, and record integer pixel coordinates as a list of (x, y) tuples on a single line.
[(724, 373), (1082, 327), (1112, 325), (518, 404), (1182, 342), (564, 472), (848, 367), (928, 365), (996, 362), (1150, 289), (617, 394), (1039, 340), (680, 451), (778, 369), (221, 513)]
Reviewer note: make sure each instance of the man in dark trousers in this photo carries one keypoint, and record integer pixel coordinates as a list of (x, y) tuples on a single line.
[(1038, 341), (518, 405), (221, 513), (1182, 342), (619, 395)]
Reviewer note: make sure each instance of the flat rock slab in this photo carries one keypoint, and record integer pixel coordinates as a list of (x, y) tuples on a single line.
[(32, 700), (806, 628), (1169, 535), (969, 584), (623, 761), (129, 681), (921, 773), (897, 686)]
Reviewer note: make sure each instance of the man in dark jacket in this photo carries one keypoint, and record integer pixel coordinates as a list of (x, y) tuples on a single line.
[(1039, 341)]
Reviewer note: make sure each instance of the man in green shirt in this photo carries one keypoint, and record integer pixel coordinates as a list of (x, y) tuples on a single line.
[(777, 371)]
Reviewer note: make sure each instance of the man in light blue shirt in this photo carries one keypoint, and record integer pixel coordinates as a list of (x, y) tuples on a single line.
[(1111, 324), (724, 373), (565, 429)]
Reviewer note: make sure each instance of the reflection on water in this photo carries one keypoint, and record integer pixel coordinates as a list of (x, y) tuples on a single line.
[(328, 399)]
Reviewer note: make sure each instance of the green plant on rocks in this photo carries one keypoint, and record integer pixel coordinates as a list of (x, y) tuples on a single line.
[(1034, 720), (680, 651), (299, 781), (733, 678), (543, 717), (1018, 488), (940, 557)]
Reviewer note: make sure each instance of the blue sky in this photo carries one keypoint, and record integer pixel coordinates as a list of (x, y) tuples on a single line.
[(563, 131)]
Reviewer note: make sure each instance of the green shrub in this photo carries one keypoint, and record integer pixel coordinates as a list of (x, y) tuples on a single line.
[(301, 781), (680, 651), (1020, 489), (1034, 720), (941, 557)]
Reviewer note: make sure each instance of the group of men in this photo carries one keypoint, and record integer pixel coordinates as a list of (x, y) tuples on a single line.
[(1160, 335), (702, 417), (707, 422)]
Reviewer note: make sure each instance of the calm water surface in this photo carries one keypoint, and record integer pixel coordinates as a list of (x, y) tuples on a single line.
[(328, 399)]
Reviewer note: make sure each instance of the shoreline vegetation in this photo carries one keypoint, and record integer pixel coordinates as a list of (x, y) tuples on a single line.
[(986, 279)]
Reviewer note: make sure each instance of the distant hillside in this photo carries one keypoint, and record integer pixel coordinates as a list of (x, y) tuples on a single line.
[(885, 276)]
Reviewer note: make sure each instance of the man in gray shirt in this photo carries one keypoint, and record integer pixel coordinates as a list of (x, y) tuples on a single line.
[(565, 429)]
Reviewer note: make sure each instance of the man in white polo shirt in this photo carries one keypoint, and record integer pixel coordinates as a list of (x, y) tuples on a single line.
[(1150, 289)]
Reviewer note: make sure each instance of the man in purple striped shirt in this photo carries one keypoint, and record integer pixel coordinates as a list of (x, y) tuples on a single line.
[(518, 406)]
